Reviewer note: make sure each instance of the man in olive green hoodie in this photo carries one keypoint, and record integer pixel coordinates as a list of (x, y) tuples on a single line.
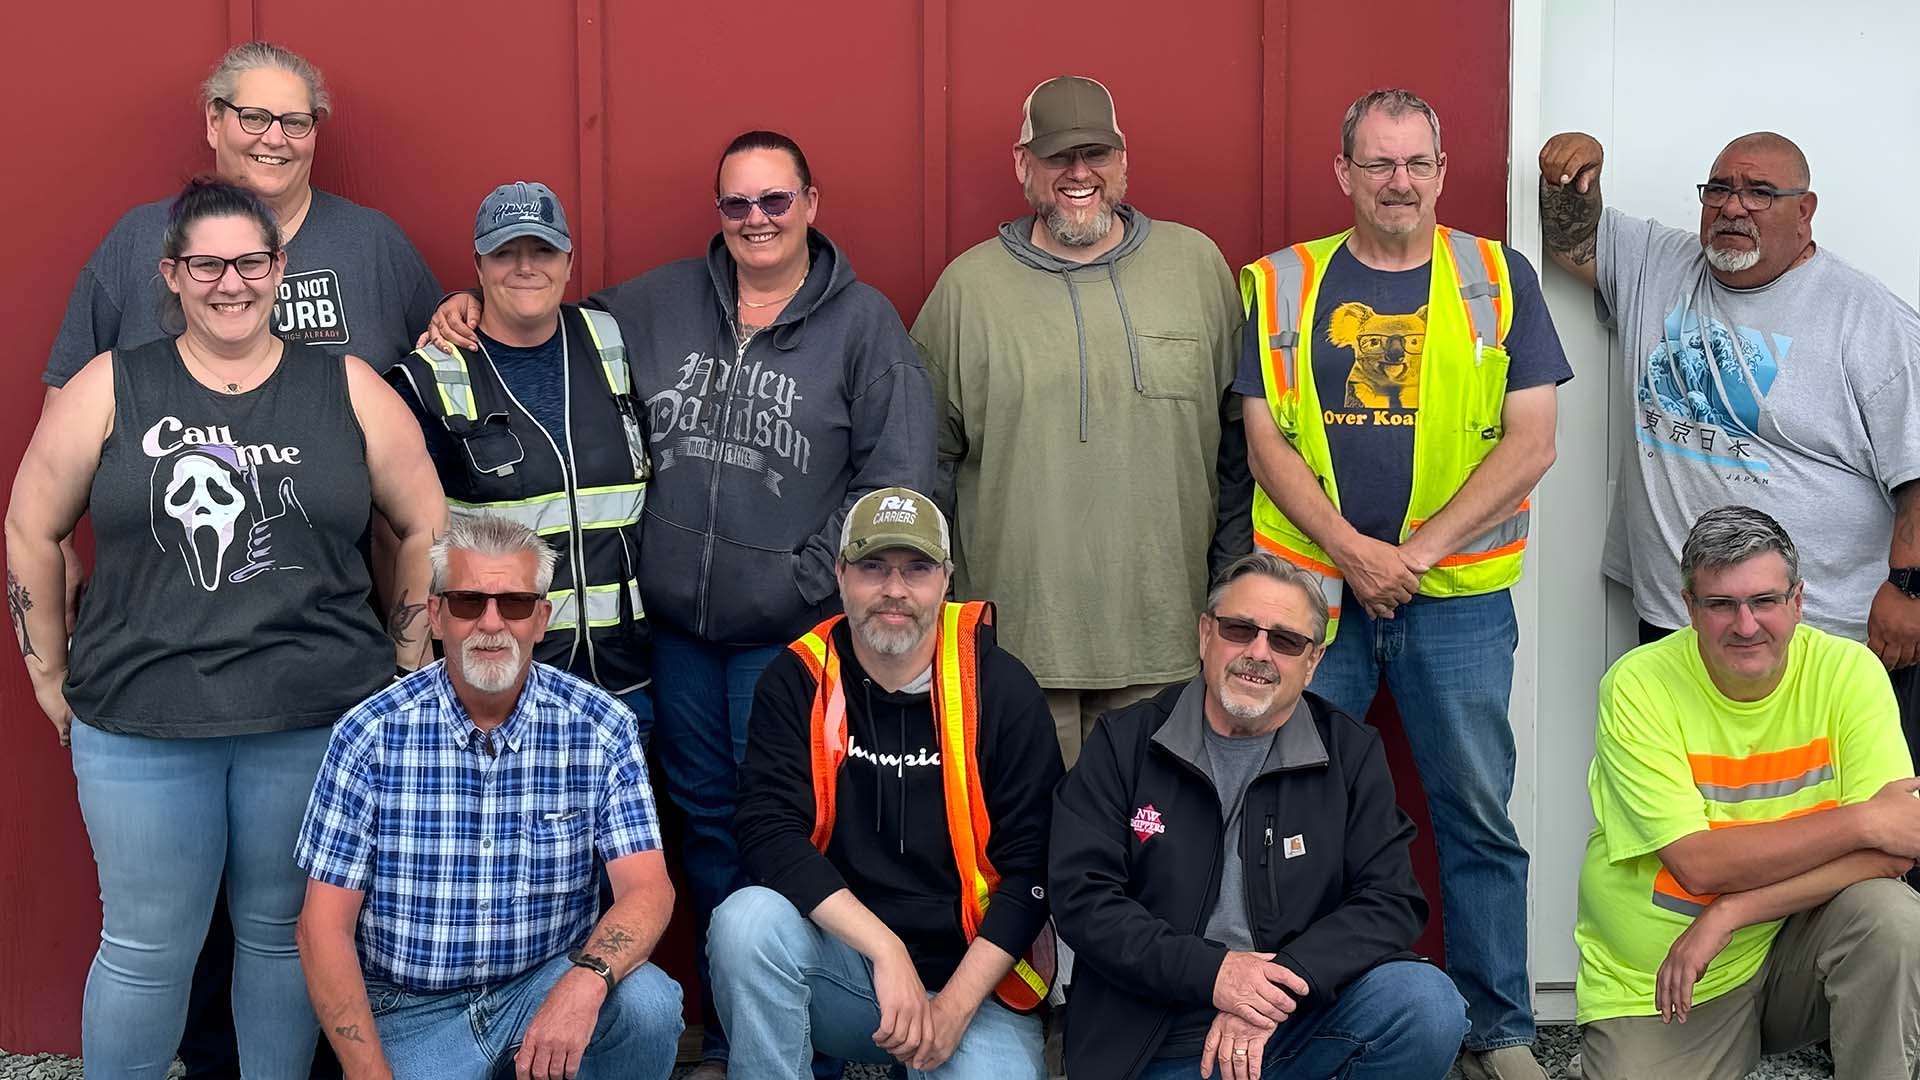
[(1080, 362)]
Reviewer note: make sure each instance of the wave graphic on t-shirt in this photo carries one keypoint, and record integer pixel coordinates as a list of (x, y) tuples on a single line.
[(1718, 380)]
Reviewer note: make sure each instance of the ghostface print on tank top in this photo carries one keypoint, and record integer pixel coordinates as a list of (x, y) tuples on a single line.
[(229, 509)]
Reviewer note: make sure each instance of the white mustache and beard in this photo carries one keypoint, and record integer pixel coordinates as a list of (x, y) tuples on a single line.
[(888, 640), (1081, 228), (1243, 702), (490, 676), (1732, 262)]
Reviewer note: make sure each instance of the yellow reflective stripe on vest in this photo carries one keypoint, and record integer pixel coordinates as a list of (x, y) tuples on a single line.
[(953, 748), (451, 378), (603, 606), (614, 507), (612, 349)]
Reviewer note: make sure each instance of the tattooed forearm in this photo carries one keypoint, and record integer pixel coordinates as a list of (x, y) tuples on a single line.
[(612, 940), (400, 621), (19, 602), (1570, 219), (349, 1032)]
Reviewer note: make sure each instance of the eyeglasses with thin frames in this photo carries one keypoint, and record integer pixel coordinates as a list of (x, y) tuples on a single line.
[(1764, 604), (1417, 168), (771, 203), (1097, 156), (1715, 195), (875, 572), (1243, 631), (295, 125), (469, 604), (252, 266)]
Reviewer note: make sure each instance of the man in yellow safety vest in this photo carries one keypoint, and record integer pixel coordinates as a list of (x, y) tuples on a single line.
[(1400, 381)]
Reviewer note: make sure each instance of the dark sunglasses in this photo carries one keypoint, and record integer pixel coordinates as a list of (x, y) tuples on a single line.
[(771, 203), (1242, 632), (466, 604)]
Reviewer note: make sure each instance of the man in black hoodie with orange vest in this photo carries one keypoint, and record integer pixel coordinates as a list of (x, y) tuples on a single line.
[(1231, 870), (894, 813)]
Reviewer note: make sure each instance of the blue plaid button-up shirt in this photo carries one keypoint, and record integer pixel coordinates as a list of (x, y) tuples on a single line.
[(475, 849)]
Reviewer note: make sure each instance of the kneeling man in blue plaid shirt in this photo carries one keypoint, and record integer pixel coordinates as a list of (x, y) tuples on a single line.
[(449, 923)]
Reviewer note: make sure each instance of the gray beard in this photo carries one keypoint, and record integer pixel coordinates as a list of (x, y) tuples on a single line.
[(1731, 262), (1075, 234), (892, 642), (489, 676)]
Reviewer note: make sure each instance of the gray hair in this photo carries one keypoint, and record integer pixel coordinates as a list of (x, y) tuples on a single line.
[(494, 537), (1269, 565), (1395, 103), (1729, 535), (264, 54)]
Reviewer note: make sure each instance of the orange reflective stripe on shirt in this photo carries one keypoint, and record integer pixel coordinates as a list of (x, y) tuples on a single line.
[(1769, 775)]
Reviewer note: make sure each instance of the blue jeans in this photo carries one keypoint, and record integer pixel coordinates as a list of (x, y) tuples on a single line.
[(786, 988), (466, 1034), (1401, 1021), (702, 695), (1449, 665), (166, 817)]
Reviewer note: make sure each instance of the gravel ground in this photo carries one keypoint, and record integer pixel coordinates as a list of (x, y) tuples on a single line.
[(1557, 1044)]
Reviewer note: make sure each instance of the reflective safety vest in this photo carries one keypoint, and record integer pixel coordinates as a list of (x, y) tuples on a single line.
[(956, 710), (587, 502), (1463, 386)]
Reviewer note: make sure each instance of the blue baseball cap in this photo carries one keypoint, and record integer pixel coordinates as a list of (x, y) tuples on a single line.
[(522, 208)]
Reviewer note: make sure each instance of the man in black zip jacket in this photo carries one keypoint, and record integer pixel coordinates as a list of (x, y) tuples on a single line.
[(894, 810), (1232, 872)]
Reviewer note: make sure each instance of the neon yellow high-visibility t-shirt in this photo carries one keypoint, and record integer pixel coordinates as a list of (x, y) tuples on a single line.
[(1672, 756)]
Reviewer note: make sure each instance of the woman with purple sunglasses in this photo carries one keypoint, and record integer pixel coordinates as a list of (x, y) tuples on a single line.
[(778, 390)]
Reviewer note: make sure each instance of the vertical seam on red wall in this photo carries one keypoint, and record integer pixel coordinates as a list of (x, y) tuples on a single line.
[(935, 173), (1273, 125), (590, 43), (241, 20)]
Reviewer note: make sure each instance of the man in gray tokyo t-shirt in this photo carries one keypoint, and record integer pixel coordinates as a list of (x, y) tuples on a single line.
[(354, 284), (1764, 371)]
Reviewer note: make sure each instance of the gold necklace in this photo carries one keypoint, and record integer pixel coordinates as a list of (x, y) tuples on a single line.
[(232, 387), (744, 302)]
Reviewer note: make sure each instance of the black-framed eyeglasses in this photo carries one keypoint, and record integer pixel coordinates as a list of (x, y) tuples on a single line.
[(1764, 604), (1753, 198), (253, 266), (1096, 155), (467, 604), (295, 125), (1279, 638), (771, 203), (1417, 168)]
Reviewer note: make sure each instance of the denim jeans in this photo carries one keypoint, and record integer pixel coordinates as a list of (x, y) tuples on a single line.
[(1401, 1021), (786, 988), (467, 1034), (166, 817), (1449, 665), (702, 695)]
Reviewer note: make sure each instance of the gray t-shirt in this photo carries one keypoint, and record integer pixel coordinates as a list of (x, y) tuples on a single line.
[(1796, 400), (355, 284)]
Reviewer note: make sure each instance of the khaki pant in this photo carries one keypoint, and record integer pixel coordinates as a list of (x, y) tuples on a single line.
[(1848, 970), (1074, 712)]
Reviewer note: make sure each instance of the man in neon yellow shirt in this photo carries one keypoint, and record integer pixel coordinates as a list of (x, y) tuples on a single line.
[(1704, 946)]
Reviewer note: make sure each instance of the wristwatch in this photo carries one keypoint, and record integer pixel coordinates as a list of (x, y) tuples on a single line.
[(594, 964), (1906, 579)]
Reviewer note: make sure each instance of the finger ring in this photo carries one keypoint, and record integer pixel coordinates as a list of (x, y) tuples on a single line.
[(1240, 1051)]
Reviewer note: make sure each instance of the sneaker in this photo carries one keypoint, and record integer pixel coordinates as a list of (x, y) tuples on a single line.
[(1506, 1063)]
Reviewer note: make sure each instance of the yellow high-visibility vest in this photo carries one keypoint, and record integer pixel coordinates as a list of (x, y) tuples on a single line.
[(1462, 390)]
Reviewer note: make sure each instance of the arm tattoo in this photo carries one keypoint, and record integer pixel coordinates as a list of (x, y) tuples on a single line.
[(349, 1032), (400, 621), (19, 602), (613, 940), (1570, 220)]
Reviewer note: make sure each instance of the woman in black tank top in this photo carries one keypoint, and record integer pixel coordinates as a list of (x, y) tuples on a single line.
[(230, 478)]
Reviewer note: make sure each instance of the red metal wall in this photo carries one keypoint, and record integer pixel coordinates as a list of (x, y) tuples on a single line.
[(907, 109)]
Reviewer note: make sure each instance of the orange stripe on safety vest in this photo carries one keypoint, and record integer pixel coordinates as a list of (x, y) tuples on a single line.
[(1830, 804), (1736, 772), (1304, 561), (1309, 271), (1493, 275), (1482, 556)]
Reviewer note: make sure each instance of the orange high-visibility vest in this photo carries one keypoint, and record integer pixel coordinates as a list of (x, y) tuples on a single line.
[(956, 710)]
